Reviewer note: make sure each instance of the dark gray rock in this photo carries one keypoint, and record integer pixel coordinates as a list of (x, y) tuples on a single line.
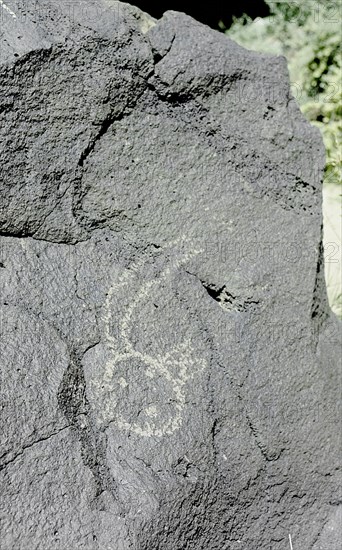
[(170, 366)]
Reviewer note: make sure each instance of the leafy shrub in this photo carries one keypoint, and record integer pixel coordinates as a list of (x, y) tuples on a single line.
[(309, 35)]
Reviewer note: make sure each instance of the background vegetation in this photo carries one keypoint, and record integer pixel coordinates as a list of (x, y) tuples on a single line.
[(308, 33)]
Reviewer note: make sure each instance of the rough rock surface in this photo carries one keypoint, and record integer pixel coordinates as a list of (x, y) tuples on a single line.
[(169, 364)]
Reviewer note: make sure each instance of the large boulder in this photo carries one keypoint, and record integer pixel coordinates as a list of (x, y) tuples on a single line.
[(170, 365)]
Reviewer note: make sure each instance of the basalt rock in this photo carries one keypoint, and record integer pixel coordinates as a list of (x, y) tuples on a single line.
[(169, 362)]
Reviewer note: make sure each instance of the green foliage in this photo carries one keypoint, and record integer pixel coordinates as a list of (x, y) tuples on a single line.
[(308, 33)]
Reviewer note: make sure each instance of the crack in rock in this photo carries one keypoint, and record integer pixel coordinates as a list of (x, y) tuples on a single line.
[(227, 300), (74, 404), (6, 461)]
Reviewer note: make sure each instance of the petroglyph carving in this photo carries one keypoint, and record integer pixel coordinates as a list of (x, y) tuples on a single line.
[(7, 9), (132, 379)]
